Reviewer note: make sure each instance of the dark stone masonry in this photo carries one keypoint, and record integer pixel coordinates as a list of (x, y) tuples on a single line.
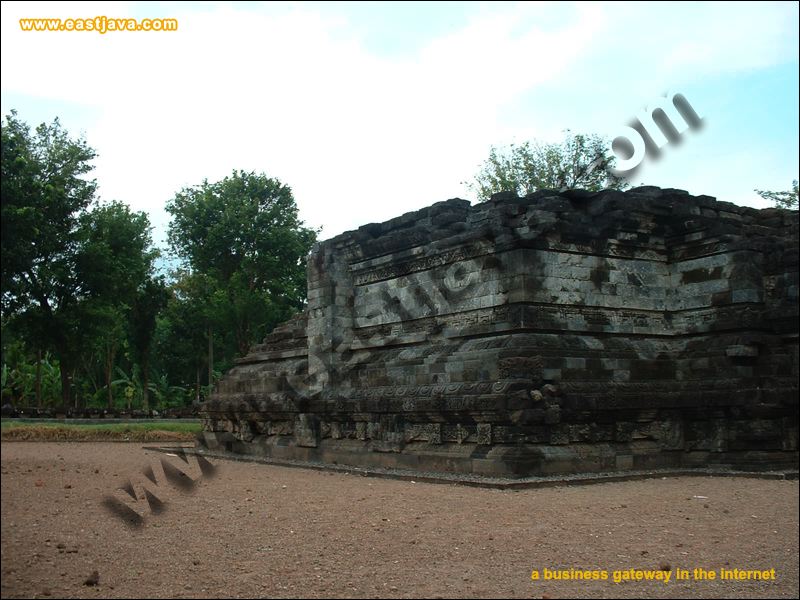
[(561, 332)]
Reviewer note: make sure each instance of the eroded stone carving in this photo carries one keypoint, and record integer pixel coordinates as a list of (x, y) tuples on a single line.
[(556, 333)]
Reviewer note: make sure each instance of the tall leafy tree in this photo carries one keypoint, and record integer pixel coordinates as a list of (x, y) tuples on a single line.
[(69, 269), (44, 192), (243, 235), (116, 262), (580, 161), (180, 337), (148, 301)]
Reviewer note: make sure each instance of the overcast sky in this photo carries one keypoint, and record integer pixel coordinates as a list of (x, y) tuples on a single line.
[(369, 110)]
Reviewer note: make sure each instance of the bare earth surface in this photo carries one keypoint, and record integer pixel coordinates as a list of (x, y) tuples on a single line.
[(256, 530)]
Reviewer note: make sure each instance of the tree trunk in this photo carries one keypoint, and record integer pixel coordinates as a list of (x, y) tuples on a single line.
[(78, 400), (39, 378), (197, 383), (145, 382), (109, 391), (65, 381), (111, 351), (210, 357), (243, 338)]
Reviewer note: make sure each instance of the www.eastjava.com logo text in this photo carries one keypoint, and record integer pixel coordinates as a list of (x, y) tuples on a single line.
[(147, 494)]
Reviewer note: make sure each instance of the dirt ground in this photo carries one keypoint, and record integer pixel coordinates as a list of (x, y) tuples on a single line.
[(254, 530)]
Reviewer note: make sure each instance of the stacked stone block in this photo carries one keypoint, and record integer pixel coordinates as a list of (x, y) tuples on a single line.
[(555, 333)]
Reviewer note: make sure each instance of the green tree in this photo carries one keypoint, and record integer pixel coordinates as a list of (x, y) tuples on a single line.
[(43, 192), (580, 161), (245, 248), (69, 271), (116, 262), (28, 377), (180, 338), (787, 199), (107, 343), (148, 302)]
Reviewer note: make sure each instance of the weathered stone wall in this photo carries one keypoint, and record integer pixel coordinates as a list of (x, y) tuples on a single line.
[(560, 332)]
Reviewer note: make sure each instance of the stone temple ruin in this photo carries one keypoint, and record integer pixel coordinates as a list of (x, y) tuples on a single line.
[(556, 333)]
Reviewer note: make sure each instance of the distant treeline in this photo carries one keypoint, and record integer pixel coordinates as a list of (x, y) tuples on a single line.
[(88, 320)]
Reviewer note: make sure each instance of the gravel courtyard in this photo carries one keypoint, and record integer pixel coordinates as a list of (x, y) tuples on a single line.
[(257, 530)]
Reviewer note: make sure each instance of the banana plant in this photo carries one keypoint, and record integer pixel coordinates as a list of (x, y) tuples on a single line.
[(167, 395)]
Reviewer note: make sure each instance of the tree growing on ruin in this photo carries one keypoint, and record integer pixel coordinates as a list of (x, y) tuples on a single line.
[(580, 161), (787, 199)]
